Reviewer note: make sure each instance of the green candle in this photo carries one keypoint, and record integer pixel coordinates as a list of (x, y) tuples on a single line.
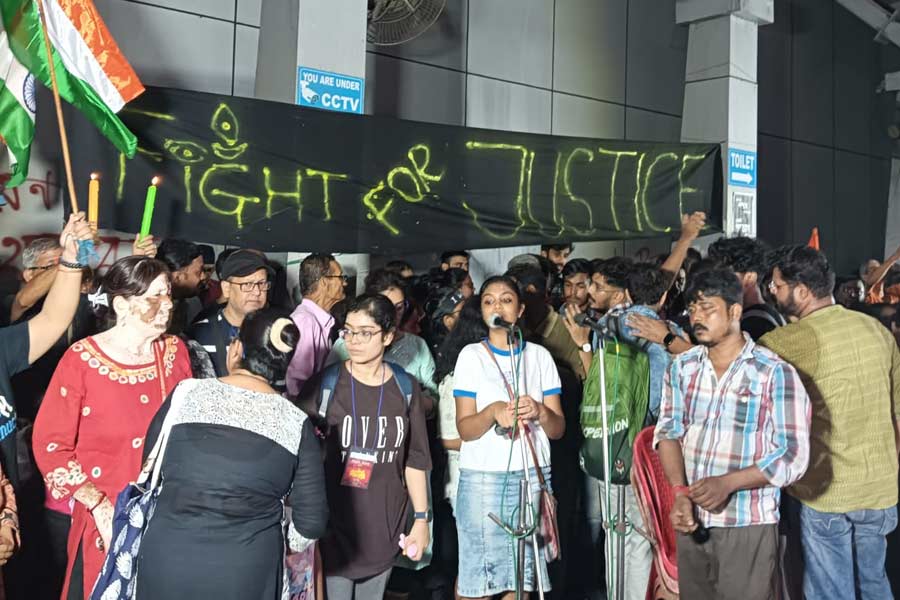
[(149, 203)]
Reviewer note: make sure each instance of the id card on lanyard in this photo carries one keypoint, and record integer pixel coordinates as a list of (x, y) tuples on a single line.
[(361, 460)]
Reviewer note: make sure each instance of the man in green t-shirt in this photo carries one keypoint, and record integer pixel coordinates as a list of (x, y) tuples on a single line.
[(850, 366)]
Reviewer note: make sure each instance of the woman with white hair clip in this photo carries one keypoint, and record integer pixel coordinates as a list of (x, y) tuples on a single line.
[(235, 451)]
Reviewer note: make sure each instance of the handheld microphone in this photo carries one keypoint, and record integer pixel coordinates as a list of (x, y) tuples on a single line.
[(586, 320), (701, 534), (502, 431), (496, 322)]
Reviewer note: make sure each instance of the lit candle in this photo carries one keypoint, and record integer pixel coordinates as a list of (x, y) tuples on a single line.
[(94, 200), (149, 203)]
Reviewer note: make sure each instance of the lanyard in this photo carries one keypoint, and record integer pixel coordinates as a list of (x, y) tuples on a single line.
[(353, 404), (517, 357)]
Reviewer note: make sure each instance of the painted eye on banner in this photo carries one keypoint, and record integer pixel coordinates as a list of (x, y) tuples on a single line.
[(225, 125), (185, 152)]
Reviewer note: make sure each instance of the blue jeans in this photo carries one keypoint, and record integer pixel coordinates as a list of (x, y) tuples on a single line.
[(844, 553)]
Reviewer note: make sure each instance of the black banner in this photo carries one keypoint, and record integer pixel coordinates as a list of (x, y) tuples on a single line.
[(277, 177)]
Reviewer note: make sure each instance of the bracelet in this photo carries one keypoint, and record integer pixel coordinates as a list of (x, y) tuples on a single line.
[(680, 490), (71, 265), (99, 502)]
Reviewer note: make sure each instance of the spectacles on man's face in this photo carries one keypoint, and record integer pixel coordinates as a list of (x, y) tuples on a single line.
[(364, 336), (344, 277), (774, 287), (249, 286)]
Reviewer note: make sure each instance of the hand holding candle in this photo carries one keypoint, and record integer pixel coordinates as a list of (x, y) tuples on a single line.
[(149, 204), (94, 201)]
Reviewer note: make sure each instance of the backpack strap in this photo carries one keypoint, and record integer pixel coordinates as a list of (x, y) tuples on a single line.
[(330, 377), (760, 313), (404, 381), (326, 390)]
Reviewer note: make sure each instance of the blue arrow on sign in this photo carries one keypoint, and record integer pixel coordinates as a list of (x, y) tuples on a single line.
[(741, 167)]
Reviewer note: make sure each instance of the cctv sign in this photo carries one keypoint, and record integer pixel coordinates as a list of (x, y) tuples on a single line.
[(330, 91)]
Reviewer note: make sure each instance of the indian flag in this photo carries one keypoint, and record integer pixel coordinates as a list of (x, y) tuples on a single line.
[(91, 73)]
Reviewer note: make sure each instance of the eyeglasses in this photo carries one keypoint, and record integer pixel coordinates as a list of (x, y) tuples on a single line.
[(363, 335), (774, 287), (343, 276), (249, 286)]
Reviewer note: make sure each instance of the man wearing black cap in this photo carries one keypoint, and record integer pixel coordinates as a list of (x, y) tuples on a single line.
[(245, 279)]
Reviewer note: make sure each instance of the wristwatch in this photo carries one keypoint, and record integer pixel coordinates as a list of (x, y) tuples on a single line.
[(423, 516), (667, 341), (586, 347)]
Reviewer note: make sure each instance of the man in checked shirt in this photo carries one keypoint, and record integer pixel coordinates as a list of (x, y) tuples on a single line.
[(733, 430)]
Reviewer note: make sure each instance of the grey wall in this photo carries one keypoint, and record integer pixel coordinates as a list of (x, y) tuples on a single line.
[(202, 45), (598, 68), (824, 155)]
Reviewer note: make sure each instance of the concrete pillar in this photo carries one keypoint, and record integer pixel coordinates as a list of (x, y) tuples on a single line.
[(720, 94), (326, 35)]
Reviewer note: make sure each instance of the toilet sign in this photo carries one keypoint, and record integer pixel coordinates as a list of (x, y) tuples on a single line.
[(741, 167), (330, 91)]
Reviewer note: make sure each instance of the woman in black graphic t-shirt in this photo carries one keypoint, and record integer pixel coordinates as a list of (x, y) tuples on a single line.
[(376, 458)]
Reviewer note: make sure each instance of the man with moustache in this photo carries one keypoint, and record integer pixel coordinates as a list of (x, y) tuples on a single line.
[(733, 429), (322, 283), (846, 503), (576, 276), (747, 257), (245, 280), (185, 262), (606, 292)]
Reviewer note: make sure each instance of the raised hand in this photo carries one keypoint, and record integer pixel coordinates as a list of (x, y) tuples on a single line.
[(77, 229), (144, 246), (692, 225)]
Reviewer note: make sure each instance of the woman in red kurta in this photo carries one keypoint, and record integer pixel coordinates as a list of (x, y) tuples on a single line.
[(89, 432)]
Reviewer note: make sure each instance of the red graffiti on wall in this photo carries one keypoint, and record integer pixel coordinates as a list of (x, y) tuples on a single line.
[(45, 190)]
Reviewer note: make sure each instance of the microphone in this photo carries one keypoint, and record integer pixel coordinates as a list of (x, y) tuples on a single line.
[(496, 322), (701, 534), (586, 320)]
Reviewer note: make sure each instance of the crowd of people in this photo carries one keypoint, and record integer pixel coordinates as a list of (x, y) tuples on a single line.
[(349, 446)]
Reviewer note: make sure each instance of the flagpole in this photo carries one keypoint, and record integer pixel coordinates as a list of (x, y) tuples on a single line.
[(64, 138)]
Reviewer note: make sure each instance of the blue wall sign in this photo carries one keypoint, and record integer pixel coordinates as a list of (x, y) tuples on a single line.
[(330, 91), (741, 167)]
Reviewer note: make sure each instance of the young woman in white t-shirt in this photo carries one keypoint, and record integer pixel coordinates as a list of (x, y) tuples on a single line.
[(490, 463)]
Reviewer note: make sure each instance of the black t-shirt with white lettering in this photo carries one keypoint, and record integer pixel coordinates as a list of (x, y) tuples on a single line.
[(365, 524), (14, 348)]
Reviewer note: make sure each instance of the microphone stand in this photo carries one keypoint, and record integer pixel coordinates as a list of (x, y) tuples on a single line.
[(620, 524), (526, 509)]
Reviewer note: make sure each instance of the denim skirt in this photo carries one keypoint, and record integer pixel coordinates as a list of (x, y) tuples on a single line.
[(487, 553)]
